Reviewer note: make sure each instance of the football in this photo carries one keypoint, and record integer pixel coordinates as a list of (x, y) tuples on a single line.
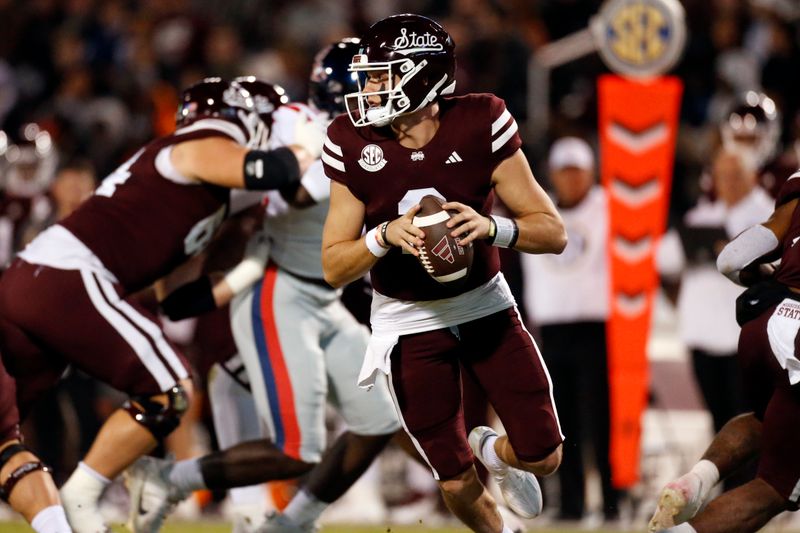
[(441, 255)]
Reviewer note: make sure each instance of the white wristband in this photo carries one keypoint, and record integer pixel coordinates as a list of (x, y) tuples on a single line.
[(374, 246), (507, 232)]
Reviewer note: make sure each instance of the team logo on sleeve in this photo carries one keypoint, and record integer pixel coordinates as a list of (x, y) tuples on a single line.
[(372, 158)]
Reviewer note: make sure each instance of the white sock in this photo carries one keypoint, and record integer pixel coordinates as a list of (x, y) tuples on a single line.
[(680, 528), (304, 508), (51, 520), (491, 460), (86, 482), (186, 475), (708, 474)]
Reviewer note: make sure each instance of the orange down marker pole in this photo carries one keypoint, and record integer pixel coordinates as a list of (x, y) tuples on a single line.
[(638, 124)]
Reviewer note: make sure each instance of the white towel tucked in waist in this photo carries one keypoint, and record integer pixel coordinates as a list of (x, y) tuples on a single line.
[(392, 318)]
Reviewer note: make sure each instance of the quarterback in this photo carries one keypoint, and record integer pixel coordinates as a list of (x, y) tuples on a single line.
[(66, 299), (404, 139)]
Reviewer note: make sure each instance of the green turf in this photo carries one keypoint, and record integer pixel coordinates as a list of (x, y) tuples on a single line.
[(217, 527)]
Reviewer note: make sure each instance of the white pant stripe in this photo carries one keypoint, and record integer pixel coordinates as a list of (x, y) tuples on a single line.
[(403, 422), (546, 372), (149, 327), (138, 343)]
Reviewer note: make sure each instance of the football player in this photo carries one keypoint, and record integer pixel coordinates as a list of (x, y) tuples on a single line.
[(25, 482), (298, 342), (769, 313), (404, 139), (66, 299)]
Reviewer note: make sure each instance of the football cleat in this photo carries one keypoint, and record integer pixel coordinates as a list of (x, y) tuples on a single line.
[(511, 520), (152, 495), (279, 523), (678, 502), (83, 513), (519, 488)]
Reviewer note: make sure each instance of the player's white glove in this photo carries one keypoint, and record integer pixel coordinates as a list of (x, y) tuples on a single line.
[(252, 266), (309, 134)]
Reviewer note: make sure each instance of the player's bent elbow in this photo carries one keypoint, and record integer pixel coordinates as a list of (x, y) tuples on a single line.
[(560, 241)]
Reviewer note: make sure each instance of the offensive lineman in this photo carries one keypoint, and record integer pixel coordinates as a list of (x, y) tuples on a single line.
[(65, 299), (410, 140), (298, 342), (769, 313)]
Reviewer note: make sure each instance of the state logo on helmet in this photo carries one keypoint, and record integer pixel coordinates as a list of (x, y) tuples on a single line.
[(752, 128), (267, 97), (331, 78), (419, 57), (223, 100)]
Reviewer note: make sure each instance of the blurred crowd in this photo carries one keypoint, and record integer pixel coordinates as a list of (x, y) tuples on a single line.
[(83, 83)]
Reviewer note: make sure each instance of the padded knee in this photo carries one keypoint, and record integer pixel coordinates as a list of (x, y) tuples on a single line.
[(159, 419), (18, 473)]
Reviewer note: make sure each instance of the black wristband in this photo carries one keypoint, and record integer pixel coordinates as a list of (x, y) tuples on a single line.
[(192, 299), (515, 236), (384, 227), (267, 170)]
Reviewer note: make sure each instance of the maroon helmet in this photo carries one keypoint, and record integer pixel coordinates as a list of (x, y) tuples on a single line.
[(752, 128), (419, 56), (223, 100), (267, 97)]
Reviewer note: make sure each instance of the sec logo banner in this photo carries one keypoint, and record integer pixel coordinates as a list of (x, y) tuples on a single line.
[(640, 38)]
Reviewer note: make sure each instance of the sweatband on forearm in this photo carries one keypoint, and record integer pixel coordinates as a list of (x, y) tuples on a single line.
[(748, 246), (247, 272), (274, 169), (192, 299)]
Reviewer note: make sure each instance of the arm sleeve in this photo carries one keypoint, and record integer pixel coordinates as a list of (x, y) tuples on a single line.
[(505, 139), (789, 190)]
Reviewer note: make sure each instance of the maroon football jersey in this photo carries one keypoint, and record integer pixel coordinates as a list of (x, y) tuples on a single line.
[(142, 224), (476, 133), (788, 271)]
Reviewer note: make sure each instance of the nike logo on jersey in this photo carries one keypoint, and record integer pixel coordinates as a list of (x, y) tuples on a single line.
[(794, 241), (454, 158)]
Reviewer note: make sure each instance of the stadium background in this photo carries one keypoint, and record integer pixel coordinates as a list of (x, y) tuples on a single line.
[(102, 77)]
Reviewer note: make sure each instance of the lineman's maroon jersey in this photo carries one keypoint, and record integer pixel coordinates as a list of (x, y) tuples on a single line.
[(788, 272), (475, 134), (144, 219)]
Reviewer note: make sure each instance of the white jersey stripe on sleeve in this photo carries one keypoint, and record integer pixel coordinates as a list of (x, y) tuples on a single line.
[(503, 139), (498, 124), (138, 342), (149, 327), (331, 161), (334, 148)]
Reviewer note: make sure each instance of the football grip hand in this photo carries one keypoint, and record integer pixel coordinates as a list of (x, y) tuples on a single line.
[(467, 224), (403, 233)]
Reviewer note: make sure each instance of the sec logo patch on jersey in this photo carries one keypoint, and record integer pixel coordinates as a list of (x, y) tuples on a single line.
[(442, 256), (372, 159)]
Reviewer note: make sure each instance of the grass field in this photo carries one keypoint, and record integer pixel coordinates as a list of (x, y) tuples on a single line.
[(211, 527)]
